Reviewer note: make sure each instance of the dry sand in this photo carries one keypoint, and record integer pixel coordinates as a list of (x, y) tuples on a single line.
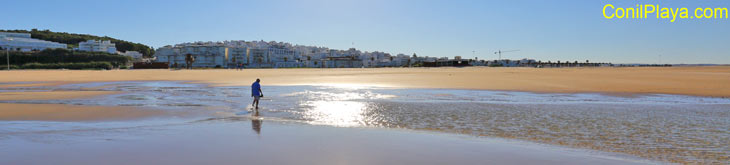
[(698, 81)]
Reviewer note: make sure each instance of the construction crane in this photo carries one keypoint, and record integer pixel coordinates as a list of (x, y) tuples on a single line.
[(500, 52)]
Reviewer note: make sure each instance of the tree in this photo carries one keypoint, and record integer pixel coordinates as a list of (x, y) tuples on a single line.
[(50, 56), (189, 59)]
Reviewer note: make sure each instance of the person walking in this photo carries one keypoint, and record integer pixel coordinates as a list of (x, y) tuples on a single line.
[(256, 93)]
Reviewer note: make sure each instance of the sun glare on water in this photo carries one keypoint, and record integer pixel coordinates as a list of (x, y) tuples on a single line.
[(342, 105), (336, 113), (352, 86)]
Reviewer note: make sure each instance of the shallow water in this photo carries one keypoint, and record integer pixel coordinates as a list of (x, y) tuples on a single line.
[(229, 141), (673, 128)]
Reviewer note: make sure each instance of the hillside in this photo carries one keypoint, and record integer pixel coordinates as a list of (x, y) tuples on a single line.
[(73, 40)]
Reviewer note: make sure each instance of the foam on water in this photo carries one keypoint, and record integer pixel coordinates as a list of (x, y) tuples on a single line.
[(675, 128)]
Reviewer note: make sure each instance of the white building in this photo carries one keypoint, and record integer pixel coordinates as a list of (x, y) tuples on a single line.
[(259, 58), (282, 57), (98, 46), (261, 54), (400, 60), (238, 55), (206, 56), (134, 54), (370, 59), (23, 42)]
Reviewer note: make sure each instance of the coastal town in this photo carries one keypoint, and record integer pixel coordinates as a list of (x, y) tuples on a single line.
[(261, 54)]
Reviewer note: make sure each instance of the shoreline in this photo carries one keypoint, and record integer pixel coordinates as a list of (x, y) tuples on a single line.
[(36, 111), (710, 81)]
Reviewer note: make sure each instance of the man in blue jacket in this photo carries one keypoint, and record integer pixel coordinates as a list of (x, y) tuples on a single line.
[(256, 93)]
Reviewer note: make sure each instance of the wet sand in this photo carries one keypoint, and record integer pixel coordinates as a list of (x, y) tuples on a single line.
[(62, 112), (235, 141), (697, 81), (52, 95)]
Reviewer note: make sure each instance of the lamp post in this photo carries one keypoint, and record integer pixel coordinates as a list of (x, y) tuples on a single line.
[(7, 52)]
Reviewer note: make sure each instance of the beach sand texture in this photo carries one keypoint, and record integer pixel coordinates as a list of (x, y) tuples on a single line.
[(62, 112), (698, 81)]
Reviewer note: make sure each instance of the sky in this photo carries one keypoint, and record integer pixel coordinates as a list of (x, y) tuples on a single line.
[(567, 30)]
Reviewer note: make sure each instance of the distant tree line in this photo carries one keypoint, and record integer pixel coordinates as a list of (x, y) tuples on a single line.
[(73, 40), (85, 65), (64, 56)]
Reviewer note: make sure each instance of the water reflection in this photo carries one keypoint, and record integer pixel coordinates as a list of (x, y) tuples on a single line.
[(337, 113), (256, 122)]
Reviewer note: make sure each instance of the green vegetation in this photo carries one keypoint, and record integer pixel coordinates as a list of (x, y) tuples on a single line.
[(87, 65), (5, 67), (62, 58), (73, 40)]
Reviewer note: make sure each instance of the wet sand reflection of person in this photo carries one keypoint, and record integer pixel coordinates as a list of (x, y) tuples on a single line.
[(256, 122)]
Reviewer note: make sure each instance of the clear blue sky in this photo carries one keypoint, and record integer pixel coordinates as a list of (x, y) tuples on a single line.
[(543, 30)]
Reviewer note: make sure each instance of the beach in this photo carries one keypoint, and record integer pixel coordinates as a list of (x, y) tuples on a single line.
[(470, 115), (364, 82), (697, 81)]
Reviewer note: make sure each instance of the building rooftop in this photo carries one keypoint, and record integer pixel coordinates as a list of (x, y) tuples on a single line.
[(31, 40), (15, 35)]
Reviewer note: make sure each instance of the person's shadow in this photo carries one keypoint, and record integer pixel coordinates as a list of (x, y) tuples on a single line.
[(256, 122)]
